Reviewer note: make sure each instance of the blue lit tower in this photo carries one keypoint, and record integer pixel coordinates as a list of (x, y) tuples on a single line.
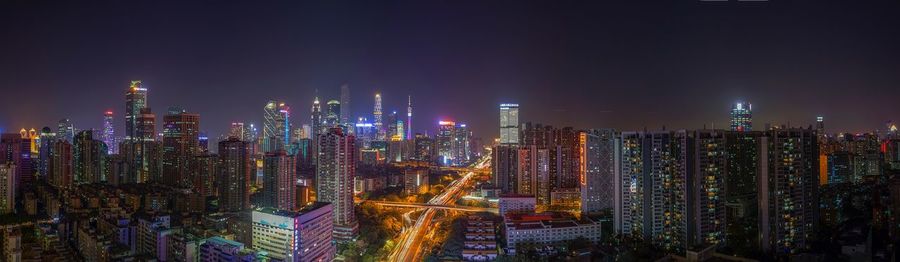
[(742, 117)]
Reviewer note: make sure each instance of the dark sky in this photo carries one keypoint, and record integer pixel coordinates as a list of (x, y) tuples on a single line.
[(583, 63)]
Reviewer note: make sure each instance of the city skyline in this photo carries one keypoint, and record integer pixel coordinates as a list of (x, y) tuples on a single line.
[(623, 80)]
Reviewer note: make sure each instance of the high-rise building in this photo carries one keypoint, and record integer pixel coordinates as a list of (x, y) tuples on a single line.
[(533, 168), (61, 172), (332, 113), (16, 149), (335, 171), (742, 117), (135, 101), (90, 158), (47, 137), (445, 141), (109, 133), (505, 166), (140, 148), (234, 176), (460, 144), (788, 190), (509, 124), (345, 107), (295, 236), (597, 158), (379, 124), (647, 207), (277, 127), (7, 188), (279, 180), (203, 170), (181, 141), (742, 155), (237, 130), (65, 130), (706, 187)]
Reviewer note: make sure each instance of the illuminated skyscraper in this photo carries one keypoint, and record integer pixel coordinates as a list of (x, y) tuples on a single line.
[(409, 128), (277, 127), (279, 180), (378, 121), (345, 107), (109, 134), (509, 124), (237, 130), (65, 130), (16, 149), (135, 100), (234, 175), (742, 117), (335, 172), (445, 141), (181, 141), (61, 172), (332, 114)]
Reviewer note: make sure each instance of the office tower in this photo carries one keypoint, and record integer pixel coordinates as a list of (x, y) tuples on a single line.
[(788, 190), (90, 157), (345, 107), (409, 132), (509, 124), (203, 169), (597, 158), (109, 134), (61, 173), (135, 101), (181, 141), (365, 132), (295, 236), (203, 141), (277, 127), (279, 179), (234, 175), (335, 170), (7, 188), (445, 137), (379, 124), (332, 113), (706, 187), (237, 130), (820, 127), (505, 166), (316, 124), (16, 149), (390, 126), (65, 130), (140, 146), (742, 117)]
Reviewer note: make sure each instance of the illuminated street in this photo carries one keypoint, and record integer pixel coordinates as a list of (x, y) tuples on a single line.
[(410, 243)]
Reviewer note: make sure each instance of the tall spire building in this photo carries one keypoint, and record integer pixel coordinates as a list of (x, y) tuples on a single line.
[(409, 132), (379, 125), (345, 107)]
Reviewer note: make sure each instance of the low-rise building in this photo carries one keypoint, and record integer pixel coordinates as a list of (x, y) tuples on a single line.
[(547, 229)]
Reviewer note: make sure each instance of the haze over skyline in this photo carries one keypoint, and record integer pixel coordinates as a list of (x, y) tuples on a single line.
[(583, 64)]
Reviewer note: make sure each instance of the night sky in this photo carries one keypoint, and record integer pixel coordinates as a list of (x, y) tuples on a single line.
[(586, 64)]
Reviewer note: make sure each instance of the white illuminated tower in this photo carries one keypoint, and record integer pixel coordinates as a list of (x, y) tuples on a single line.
[(378, 122), (409, 133), (742, 117)]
